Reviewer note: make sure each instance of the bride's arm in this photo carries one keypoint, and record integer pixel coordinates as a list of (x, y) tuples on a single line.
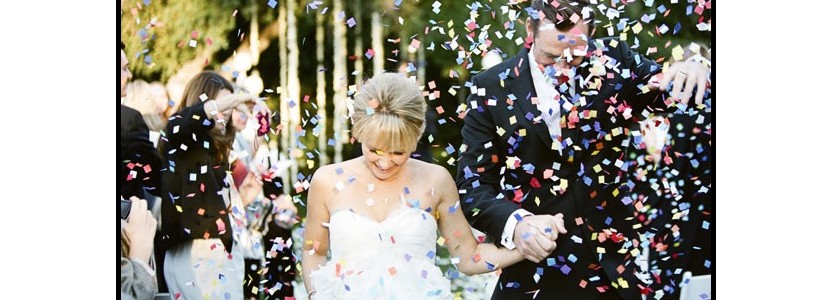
[(474, 258), (316, 236)]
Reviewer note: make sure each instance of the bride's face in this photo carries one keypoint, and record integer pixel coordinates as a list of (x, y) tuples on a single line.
[(384, 165)]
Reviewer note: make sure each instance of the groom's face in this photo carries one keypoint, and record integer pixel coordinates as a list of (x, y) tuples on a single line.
[(561, 49)]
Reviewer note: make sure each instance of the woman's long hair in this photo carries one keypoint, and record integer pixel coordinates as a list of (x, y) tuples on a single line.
[(210, 83)]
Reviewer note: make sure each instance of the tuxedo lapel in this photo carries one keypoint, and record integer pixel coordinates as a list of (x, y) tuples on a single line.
[(524, 90)]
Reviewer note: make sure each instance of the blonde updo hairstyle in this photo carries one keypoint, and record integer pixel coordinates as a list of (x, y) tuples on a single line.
[(389, 113)]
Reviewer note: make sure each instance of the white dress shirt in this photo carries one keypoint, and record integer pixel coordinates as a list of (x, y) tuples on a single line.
[(550, 109)]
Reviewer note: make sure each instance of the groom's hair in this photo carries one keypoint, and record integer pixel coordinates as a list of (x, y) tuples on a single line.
[(562, 14)]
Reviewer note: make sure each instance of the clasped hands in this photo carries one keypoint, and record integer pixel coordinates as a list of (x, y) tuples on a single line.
[(535, 235)]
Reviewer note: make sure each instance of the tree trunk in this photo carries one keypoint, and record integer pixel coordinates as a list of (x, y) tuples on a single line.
[(378, 42), (284, 101), (321, 90), (293, 88), (358, 46), (339, 80)]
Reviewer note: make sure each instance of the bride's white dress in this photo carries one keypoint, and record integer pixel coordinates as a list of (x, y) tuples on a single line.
[(393, 259)]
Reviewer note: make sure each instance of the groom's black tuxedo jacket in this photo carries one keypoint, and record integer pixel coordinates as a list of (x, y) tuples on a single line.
[(508, 162)]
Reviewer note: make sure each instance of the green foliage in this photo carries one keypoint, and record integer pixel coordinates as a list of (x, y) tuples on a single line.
[(157, 34)]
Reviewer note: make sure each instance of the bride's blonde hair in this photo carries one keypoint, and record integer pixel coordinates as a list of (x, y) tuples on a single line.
[(389, 113)]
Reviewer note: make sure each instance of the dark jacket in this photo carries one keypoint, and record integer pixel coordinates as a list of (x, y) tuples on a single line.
[(508, 163), (192, 181), (137, 154), (679, 194)]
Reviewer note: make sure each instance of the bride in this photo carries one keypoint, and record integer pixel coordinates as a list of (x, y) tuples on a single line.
[(379, 214)]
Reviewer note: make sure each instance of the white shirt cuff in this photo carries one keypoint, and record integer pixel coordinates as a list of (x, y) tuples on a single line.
[(506, 239)]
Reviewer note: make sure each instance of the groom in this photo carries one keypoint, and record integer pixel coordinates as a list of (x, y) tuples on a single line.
[(545, 134)]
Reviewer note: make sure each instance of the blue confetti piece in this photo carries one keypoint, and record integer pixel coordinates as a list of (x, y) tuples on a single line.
[(475, 184), (565, 269), (430, 254), (550, 262), (397, 3), (171, 103), (407, 257), (677, 28), (467, 173), (695, 163), (300, 176), (608, 220), (539, 271), (661, 9), (339, 171), (227, 295), (452, 274), (452, 209), (441, 121), (407, 190), (331, 142), (572, 258), (517, 217), (146, 2), (705, 225), (449, 149), (513, 284), (272, 3), (707, 264)]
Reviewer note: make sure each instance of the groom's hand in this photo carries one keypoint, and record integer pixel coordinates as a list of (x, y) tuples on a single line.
[(535, 235)]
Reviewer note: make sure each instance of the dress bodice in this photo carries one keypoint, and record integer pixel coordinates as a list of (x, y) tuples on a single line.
[(391, 259)]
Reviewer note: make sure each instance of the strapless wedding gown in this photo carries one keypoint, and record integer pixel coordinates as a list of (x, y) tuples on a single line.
[(393, 259)]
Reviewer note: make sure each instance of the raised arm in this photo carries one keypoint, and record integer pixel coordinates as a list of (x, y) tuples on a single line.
[(190, 126), (474, 258), (316, 235)]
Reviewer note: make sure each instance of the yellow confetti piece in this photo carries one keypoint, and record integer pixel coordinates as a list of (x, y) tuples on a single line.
[(623, 283), (441, 241), (512, 120), (677, 53), (522, 132)]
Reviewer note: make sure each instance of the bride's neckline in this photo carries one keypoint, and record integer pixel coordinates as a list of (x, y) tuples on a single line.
[(389, 217)]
